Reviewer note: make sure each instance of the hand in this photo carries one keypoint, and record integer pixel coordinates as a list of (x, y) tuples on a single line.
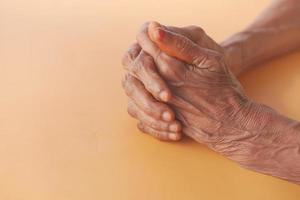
[(155, 117), (206, 97), (213, 109)]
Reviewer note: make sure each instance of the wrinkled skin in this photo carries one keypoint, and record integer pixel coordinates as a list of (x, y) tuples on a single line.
[(206, 97), (154, 120), (207, 100)]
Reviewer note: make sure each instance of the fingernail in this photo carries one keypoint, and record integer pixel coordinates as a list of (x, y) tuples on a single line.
[(158, 34), (167, 116), (174, 136), (174, 127), (164, 96)]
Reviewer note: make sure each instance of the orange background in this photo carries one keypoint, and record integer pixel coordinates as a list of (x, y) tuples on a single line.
[(64, 130)]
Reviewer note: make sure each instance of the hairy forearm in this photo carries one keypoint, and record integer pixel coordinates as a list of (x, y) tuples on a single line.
[(275, 32)]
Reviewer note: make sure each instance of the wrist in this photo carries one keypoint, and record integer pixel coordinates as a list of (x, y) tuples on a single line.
[(272, 144), (252, 127), (266, 138), (242, 50), (233, 50)]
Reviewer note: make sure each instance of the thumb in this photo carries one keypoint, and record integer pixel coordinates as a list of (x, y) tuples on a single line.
[(176, 45)]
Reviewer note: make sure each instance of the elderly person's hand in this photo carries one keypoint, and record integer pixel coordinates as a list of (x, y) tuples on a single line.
[(189, 72), (211, 105), (206, 98), (156, 118)]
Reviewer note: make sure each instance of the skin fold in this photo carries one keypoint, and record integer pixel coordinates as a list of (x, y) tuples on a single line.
[(180, 81)]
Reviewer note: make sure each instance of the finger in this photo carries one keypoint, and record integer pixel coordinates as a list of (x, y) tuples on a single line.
[(145, 70), (158, 125), (145, 101), (133, 52), (194, 33), (146, 43), (177, 45), (197, 35), (161, 135), (168, 67)]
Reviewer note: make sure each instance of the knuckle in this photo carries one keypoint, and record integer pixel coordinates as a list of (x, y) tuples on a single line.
[(127, 84), (141, 36), (153, 125), (145, 24), (140, 126), (160, 136), (136, 67), (147, 60), (130, 55), (124, 82), (160, 126), (143, 29), (141, 63), (198, 33), (126, 59), (131, 111), (157, 135), (197, 29)]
